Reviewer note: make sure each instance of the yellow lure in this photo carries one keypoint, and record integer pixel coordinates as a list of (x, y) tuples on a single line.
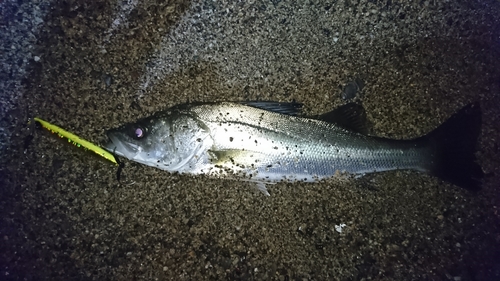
[(76, 140)]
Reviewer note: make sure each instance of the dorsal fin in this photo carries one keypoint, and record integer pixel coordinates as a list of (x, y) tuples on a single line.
[(288, 108), (351, 116)]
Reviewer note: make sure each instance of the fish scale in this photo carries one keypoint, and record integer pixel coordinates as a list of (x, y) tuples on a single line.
[(306, 149)]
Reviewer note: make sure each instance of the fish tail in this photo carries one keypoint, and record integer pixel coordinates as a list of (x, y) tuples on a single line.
[(455, 143)]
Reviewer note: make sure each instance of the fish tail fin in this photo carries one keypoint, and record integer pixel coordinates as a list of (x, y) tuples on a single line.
[(455, 142)]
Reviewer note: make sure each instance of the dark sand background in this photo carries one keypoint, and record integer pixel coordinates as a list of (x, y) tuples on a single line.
[(66, 217)]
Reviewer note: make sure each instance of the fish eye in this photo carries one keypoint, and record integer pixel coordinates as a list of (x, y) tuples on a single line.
[(139, 133)]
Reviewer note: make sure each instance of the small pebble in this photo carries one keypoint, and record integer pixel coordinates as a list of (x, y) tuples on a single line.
[(352, 89)]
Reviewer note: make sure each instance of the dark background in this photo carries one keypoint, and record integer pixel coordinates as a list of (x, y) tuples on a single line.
[(66, 217)]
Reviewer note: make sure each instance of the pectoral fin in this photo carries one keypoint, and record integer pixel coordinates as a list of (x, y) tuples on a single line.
[(242, 159), (238, 157)]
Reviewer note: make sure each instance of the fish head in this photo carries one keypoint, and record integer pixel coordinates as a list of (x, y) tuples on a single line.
[(165, 142), (147, 141)]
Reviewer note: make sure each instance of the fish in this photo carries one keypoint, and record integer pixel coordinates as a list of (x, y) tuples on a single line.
[(269, 142)]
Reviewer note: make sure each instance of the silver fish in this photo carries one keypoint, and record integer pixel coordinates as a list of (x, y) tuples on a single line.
[(265, 142)]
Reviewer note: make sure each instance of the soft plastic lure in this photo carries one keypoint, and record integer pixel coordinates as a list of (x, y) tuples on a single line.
[(76, 140)]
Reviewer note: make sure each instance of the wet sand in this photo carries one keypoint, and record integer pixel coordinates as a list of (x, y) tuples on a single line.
[(95, 66)]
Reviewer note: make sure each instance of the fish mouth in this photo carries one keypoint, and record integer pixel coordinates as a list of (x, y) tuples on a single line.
[(117, 145)]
